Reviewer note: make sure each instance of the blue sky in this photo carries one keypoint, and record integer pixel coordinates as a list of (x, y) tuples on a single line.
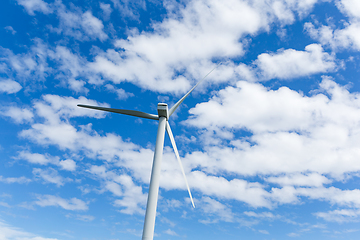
[(269, 141)]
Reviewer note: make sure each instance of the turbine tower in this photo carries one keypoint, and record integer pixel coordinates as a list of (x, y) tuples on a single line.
[(163, 118)]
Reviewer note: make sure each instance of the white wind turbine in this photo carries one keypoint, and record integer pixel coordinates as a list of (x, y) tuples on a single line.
[(163, 117)]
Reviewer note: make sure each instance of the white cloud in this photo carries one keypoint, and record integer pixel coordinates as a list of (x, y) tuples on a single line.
[(19, 115), (267, 215), (291, 195), (301, 134), (8, 232), (36, 158), (129, 9), (263, 232), (310, 117), (285, 10), (56, 129), (293, 234), (10, 29), (15, 179), (349, 7), (251, 193), (30, 67), (297, 179), (71, 204), (210, 29), (282, 12), (68, 67), (268, 137), (340, 216), (296, 129), (80, 25), (218, 210), (84, 218), (68, 164), (4, 204), (35, 5), (106, 8), (290, 63), (171, 232), (170, 204), (349, 198), (340, 38), (134, 200), (72, 69), (114, 188), (54, 107), (45, 159), (50, 175), (9, 86), (92, 26), (285, 195), (347, 37), (121, 93)]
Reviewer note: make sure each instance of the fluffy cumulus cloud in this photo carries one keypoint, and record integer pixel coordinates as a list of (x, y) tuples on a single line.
[(290, 63), (337, 38), (349, 7), (210, 29), (297, 141), (347, 37), (68, 164), (301, 129)]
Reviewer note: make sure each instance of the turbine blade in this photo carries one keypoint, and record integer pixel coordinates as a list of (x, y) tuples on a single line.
[(123, 111), (168, 130), (173, 108)]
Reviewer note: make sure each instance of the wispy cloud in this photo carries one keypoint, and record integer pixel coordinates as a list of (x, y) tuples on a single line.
[(73, 204), (15, 179), (9, 232)]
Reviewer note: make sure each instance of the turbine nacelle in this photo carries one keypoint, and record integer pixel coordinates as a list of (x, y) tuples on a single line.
[(162, 109)]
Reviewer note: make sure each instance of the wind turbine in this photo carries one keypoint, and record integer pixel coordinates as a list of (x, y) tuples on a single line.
[(163, 118)]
